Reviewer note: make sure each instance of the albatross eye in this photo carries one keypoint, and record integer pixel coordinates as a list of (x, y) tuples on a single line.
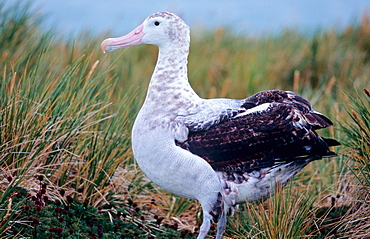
[(156, 23)]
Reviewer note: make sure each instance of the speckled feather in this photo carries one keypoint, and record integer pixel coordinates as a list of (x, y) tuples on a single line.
[(258, 140), (282, 132)]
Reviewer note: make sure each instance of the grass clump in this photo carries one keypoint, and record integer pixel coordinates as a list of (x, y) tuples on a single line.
[(287, 214), (356, 223)]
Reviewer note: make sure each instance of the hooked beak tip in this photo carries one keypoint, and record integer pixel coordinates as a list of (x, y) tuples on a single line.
[(131, 39), (104, 45)]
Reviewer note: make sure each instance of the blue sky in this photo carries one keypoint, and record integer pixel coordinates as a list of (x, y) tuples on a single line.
[(250, 17)]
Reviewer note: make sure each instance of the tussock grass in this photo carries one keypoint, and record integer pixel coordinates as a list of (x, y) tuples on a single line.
[(59, 133), (56, 115), (356, 222), (67, 110), (287, 214)]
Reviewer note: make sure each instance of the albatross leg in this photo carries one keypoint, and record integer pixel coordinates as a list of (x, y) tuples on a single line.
[(221, 225), (206, 225)]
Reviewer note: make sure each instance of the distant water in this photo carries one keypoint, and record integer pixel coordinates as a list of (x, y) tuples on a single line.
[(249, 17)]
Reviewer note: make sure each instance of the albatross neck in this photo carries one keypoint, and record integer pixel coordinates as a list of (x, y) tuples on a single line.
[(170, 74)]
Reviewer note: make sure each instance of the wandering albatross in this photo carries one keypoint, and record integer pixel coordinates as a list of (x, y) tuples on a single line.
[(221, 152)]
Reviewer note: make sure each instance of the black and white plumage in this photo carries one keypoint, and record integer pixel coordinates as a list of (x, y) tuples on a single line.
[(281, 130), (219, 151)]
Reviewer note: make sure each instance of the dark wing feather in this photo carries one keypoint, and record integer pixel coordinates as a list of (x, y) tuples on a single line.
[(281, 133), (315, 119)]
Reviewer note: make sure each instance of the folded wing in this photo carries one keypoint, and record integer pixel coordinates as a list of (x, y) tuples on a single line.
[(276, 127)]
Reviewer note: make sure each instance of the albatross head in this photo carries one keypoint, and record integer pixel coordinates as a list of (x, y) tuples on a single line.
[(163, 29)]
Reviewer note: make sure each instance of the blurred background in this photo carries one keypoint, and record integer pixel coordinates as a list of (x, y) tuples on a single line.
[(245, 17)]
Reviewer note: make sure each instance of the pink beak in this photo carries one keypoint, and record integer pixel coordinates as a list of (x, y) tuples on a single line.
[(131, 39)]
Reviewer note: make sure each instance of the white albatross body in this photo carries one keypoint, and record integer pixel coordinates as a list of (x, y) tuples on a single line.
[(219, 151)]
